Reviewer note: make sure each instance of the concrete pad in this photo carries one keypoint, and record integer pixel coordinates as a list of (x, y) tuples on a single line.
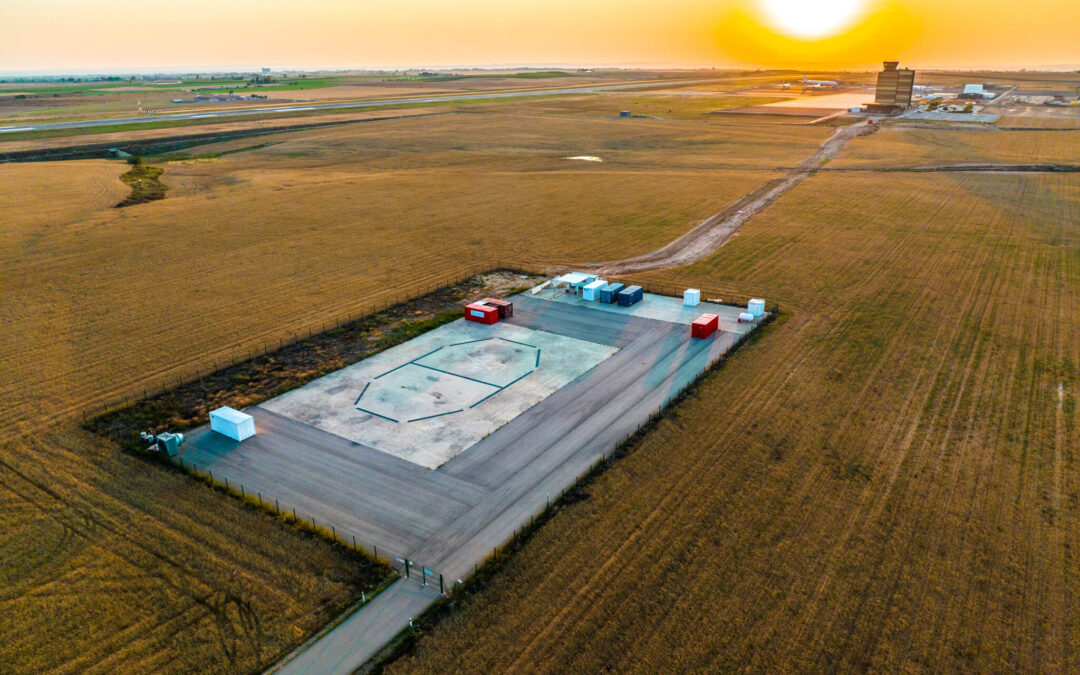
[(412, 393), (433, 397), (660, 308), (496, 361)]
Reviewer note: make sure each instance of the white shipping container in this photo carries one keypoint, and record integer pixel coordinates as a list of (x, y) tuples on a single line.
[(756, 307), (592, 290), (691, 297), (232, 423)]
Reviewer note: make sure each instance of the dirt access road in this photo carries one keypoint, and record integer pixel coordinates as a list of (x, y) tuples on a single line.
[(711, 234)]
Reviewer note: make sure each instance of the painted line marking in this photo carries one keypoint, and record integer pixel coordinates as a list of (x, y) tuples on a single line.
[(485, 398), (425, 355), (393, 369), (438, 415), (467, 342), (537, 359), (521, 378), (526, 344), (464, 377), (377, 415), (362, 393)]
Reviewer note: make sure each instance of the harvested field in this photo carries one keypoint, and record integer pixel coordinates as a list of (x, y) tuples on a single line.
[(327, 223), (36, 197), (113, 564), (123, 137), (886, 480), (920, 147), (680, 104), (1034, 122)]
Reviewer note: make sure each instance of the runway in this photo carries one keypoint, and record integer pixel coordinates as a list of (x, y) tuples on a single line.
[(177, 117)]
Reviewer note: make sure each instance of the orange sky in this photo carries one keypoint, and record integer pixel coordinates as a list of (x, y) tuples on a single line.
[(88, 34)]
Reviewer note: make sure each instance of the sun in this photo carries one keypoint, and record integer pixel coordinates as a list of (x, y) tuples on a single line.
[(811, 19)]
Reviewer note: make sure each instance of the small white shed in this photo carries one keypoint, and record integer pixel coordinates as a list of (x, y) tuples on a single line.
[(232, 423), (756, 307), (691, 297)]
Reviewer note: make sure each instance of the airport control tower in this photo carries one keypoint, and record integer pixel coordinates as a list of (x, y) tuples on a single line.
[(894, 86)]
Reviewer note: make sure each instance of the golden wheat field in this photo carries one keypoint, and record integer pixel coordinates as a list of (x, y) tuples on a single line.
[(114, 564), (138, 569), (886, 480), (320, 224), (1032, 122), (924, 147)]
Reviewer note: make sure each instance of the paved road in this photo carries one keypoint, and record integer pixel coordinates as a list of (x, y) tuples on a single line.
[(1000, 98), (362, 634), (144, 119)]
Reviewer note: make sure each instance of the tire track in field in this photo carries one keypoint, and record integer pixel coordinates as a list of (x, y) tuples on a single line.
[(762, 395), (715, 230)]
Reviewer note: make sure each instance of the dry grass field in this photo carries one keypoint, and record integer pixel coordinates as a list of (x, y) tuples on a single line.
[(1032, 122), (886, 480), (112, 564), (115, 565), (121, 137), (919, 147), (322, 224), (680, 104)]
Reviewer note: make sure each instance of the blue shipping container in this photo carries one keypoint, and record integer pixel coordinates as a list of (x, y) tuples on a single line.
[(609, 293), (630, 295)]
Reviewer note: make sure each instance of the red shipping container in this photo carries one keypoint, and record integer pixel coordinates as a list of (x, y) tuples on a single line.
[(506, 309), (704, 326), (481, 313)]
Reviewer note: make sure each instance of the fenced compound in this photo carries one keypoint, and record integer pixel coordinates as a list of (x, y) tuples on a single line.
[(407, 568), (466, 481), (228, 356)]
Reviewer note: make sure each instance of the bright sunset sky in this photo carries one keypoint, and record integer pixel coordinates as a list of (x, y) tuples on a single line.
[(114, 34)]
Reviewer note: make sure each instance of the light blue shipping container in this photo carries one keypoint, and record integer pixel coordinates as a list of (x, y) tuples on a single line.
[(592, 291)]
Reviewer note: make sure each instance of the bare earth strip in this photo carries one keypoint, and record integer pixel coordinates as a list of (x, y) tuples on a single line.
[(714, 231)]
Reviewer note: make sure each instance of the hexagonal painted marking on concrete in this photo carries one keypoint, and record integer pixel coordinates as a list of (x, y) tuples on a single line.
[(430, 398), (425, 387), (414, 393)]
